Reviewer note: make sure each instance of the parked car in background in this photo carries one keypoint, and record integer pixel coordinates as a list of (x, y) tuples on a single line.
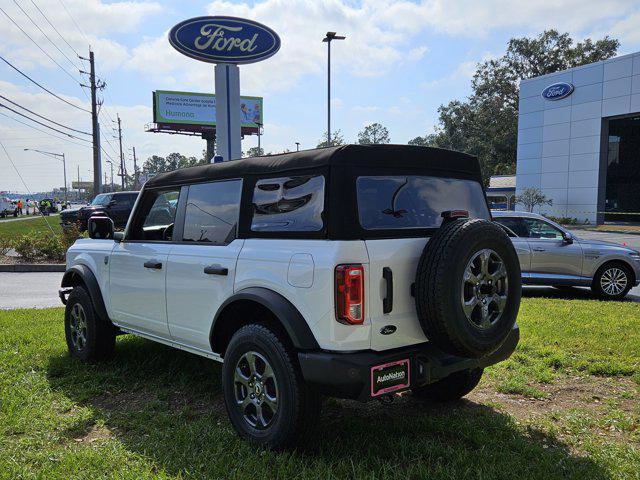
[(551, 255), (8, 208), (117, 206)]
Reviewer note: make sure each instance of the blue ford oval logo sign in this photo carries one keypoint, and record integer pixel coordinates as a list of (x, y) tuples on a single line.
[(224, 40), (557, 91)]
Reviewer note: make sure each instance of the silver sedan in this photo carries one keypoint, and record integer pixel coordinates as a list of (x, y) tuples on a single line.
[(550, 255)]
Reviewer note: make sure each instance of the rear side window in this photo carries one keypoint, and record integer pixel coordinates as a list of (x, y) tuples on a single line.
[(406, 202), (288, 204), (212, 212)]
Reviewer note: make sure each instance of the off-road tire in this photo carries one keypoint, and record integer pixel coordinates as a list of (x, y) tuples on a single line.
[(100, 336), (596, 285), (298, 405), (451, 388), (439, 287)]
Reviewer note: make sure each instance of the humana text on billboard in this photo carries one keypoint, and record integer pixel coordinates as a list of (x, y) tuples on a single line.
[(188, 108)]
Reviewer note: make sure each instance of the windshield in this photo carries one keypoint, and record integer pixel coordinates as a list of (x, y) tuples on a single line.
[(101, 199), (416, 201)]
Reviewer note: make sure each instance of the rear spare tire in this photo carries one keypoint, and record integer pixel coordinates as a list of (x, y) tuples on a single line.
[(468, 287)]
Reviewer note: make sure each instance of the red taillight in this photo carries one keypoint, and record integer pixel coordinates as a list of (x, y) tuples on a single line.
[(350, 294)]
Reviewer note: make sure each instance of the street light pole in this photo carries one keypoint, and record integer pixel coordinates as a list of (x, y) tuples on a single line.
[(327, 39), (64, 165)]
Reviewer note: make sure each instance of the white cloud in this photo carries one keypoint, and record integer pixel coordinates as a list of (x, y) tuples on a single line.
[(96, 19), (472, 17)]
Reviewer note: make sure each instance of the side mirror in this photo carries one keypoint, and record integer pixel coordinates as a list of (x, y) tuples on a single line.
[(118, 236), (100, 228), (567, 238), (111, 203)]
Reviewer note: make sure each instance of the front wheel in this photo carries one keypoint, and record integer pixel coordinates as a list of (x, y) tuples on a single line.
[(450, 388), (89, 338), (265, 395), (612, 281)]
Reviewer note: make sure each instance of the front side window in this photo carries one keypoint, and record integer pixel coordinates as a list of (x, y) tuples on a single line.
[(288, 204), (102, 199), (155, 216), (212, 212), (406, 202), (515, 225), (541, 229)]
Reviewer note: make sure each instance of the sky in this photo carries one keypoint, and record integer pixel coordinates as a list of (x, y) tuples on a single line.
[(400, 61)]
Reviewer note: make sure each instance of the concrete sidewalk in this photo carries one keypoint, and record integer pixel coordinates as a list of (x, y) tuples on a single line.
[(29, 290)]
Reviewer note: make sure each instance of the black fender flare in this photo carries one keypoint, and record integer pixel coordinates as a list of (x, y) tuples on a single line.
[(287, 314), (91, 283)]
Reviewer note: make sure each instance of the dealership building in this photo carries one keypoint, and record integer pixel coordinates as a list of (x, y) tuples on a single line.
[(579, 140)]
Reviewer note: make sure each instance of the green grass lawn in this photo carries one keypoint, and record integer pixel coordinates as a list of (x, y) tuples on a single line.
[(20, 227), (566, 405)]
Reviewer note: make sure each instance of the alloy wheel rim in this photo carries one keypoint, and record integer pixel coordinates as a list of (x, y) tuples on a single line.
[(256, 390), (613, 281), (78, 325), (485, 287)]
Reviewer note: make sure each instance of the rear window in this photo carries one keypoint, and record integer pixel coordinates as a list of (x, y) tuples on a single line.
[(405, 202)]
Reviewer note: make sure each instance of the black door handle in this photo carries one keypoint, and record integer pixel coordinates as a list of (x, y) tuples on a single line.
[(153, 264), (216, 270), (387, 302)]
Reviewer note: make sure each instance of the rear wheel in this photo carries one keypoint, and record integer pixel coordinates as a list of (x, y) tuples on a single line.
[(265, 395), (451, 388), (89, 338), (612, 281)]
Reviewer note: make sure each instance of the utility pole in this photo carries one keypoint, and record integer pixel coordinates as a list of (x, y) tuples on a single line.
[(135, 169), (95, 126), (297, 146), (78, 183), (122, 171), (105, 178)]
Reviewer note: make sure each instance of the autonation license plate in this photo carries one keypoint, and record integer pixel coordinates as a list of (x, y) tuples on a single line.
[(389, 377)]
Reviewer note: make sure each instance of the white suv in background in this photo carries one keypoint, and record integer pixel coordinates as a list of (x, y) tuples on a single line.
[(353, 271)]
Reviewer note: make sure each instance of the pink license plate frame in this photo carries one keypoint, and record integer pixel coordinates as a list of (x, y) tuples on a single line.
[(392, 388)]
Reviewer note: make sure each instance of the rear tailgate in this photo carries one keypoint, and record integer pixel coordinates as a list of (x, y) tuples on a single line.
[(400, 256)]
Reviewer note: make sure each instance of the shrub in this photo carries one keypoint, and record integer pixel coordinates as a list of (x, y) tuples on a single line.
[(40, 246), (563, 220), (5, 245)]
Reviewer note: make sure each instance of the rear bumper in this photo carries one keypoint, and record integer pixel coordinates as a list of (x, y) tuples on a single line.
[(348, 375)]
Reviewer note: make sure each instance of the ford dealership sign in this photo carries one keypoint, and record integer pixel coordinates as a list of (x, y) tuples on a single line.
[(557, 91), (224, 40)]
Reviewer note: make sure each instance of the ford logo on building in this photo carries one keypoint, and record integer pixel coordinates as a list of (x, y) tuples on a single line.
[(557, 91), (224, 40)]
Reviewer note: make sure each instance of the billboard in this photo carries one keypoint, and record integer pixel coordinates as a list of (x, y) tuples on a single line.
[(188, 108)]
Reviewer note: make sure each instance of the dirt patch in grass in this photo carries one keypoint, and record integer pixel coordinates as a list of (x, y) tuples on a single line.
[(588, 393), (95, 433)]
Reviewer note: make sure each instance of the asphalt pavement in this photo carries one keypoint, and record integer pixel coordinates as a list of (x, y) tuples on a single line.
[(40, 290)]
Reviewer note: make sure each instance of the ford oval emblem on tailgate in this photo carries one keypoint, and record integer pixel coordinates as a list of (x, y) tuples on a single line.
[(388, 329)]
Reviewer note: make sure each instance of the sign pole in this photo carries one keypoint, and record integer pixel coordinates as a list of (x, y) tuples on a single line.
[(227, 82)]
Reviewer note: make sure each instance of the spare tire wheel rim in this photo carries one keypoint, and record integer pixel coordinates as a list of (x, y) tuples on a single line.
[(485, 287), (256, 390)]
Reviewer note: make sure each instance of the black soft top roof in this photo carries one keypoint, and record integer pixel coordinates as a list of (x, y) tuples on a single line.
[(422, 159)]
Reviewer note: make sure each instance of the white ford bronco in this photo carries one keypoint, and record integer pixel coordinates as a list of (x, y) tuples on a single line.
[(353, 271)]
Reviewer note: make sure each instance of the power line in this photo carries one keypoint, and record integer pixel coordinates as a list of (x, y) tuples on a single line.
[(45, 35), (43, 87), (74, 21), (38, 45), (54, 28), (43, 117), (43, 124), (45, 132)]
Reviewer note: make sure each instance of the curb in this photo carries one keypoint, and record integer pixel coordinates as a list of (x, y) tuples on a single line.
[(33, 267)]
